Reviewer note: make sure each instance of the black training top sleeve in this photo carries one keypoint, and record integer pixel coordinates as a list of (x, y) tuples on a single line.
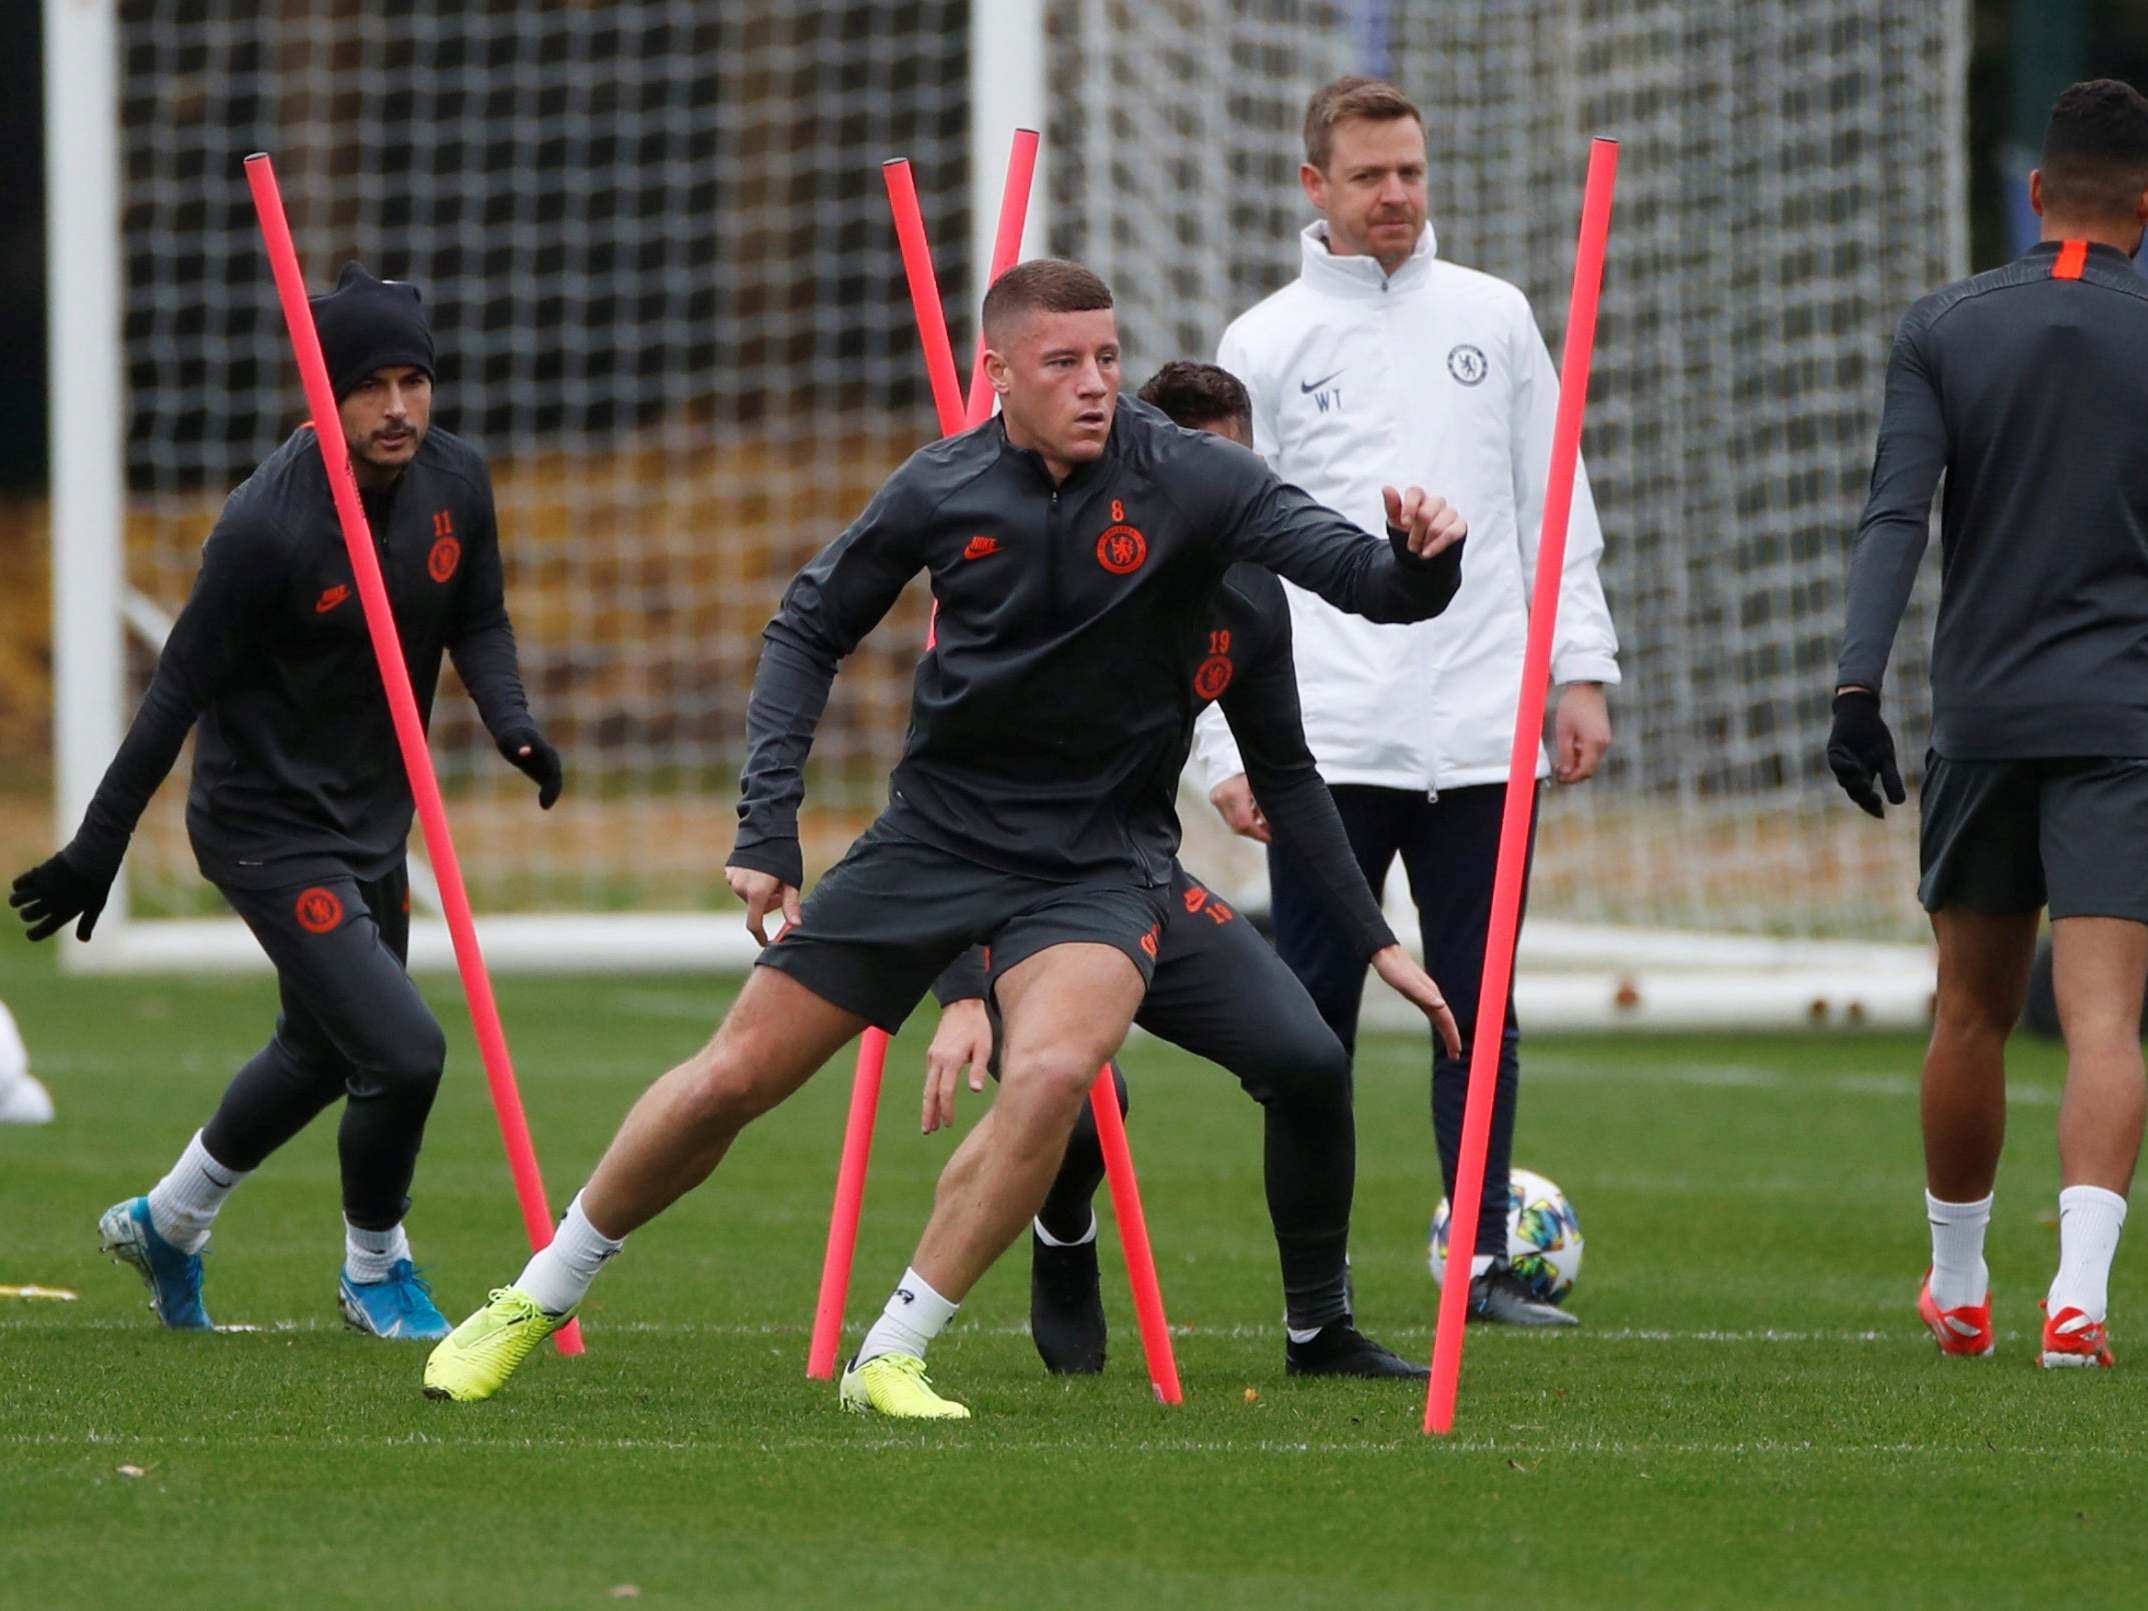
[(1276, 525), (1261, 705), (964, 979), (827, 609), (242, 573), (1891, 537), (482, 640)]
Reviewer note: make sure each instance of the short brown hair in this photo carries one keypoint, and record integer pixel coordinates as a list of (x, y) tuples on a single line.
[(1043, 285), (2095, 157), (1195, 395), (1353, 95)]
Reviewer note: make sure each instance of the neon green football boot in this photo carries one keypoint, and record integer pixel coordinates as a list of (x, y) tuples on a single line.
[(481, 1353), (896, 1384)]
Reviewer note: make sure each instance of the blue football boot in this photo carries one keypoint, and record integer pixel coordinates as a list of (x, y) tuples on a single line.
[(127, 1235), (400, 1308)]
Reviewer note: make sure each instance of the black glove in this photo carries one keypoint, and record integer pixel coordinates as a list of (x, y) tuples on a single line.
[(540, 762), (1861, 750), (54, 893)]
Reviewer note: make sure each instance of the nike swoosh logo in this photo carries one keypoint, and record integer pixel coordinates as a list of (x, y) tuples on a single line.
[(1308, 387)]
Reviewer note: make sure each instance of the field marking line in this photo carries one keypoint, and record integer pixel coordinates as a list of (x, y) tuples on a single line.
[(809, 1442), (58, 1320)]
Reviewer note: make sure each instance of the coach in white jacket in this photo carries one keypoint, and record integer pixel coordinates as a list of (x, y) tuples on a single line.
[(1382, 364)]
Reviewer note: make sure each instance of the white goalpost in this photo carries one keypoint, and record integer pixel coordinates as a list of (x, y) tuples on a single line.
[(653, 243)]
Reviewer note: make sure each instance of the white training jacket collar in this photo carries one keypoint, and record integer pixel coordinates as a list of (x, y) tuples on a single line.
[(1360, 278)]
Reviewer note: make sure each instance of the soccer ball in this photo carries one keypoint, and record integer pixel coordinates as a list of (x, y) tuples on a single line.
[(1543, 1236)]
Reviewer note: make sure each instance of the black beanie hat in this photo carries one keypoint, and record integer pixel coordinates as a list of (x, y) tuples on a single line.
[(367, 325)]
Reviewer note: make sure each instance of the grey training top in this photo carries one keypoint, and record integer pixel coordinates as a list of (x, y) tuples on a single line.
[(1054, 707), (2028, 387), (297, 776)]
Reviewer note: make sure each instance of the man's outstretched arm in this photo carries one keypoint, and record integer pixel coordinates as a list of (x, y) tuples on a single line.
[(241, 570), (1411, 577), (1268, 724)]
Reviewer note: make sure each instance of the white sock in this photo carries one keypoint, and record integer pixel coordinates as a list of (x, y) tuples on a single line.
[(1049, 1240), (558, 1277), (1959, 1275), (368, 1256), (914, 1316), (2090, 1219), (184, 1204)]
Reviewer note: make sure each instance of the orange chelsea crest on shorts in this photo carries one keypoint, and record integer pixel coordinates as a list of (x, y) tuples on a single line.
[(319, 910)]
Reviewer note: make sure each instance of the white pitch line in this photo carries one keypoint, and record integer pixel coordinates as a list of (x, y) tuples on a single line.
[(985, 1443), (53, 1320)]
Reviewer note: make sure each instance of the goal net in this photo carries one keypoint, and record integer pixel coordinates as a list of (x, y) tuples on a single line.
[(654, 242), (1790, 179)]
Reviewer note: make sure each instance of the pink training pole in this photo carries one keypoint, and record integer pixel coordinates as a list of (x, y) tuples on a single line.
[(924, 293), (1006, 252), (403, 707), (1505, 923), (1134, 1239), (841, 1252), (836, 1261)]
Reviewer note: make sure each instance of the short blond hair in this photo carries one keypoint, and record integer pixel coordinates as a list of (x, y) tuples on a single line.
[(1353, 95)]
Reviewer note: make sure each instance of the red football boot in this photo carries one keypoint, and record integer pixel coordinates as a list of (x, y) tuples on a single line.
[(1965, 1331), (2072, 1340)]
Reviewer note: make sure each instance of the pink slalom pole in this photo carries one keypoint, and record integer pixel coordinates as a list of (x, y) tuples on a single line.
[(1134, 1239), (835, 1264), (1006, 252), (1501, 934), (403, 707), (840, 1254), (924, 294)]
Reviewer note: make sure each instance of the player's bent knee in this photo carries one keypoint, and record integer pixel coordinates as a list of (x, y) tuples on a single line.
[(408, 1061), (1299, 1071), (1050, 1079), (726, 1093)]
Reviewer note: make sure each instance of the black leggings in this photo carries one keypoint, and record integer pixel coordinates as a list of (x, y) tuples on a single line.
[(1221, 993), (1449, 849), (353, 1025)]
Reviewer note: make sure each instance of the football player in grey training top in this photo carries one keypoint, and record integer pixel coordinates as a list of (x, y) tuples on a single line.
[(1221, 992), (299, 809), (1075, 545), (2026, 388)]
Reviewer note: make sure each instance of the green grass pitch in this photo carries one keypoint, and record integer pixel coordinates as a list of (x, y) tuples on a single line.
[(1750, 1415)]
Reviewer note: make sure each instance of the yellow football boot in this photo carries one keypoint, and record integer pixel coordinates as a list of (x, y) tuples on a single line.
[(896, 1384), (481, 1353)]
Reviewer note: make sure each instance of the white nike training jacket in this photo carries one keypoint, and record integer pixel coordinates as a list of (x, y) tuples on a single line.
[(1439, 377)]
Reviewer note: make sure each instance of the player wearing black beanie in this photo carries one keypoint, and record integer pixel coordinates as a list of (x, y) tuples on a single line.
[(367, 325), (300, 811)]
